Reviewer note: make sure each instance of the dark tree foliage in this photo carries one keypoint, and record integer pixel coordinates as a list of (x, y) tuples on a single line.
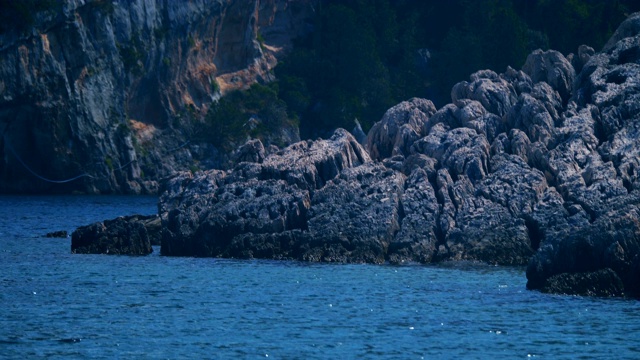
[(19, 14), (251, 113), (343, 70), (364, 56)]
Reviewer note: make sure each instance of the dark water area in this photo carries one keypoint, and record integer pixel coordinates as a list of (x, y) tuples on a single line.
[(57, 305)]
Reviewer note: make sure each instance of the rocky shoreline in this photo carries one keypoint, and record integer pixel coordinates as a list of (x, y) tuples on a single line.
[(536, 167)]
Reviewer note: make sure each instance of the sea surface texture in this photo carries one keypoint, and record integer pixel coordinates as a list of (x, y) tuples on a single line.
[(57, 305)]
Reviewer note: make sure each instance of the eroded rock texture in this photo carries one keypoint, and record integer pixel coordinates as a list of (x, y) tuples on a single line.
[(260, 208), (538, 167)]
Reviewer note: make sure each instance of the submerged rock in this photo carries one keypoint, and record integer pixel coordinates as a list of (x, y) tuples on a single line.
[(57, 234)]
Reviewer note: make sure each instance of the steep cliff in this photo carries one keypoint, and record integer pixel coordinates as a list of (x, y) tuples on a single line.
[(109, 94)]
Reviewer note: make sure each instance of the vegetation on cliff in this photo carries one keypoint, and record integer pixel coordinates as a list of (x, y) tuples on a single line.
[(254, 112)]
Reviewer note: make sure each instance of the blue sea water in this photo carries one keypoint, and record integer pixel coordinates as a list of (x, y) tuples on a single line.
[(57, 305)]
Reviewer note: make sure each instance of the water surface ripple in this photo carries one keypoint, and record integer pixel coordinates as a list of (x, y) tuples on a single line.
[(57, 305)]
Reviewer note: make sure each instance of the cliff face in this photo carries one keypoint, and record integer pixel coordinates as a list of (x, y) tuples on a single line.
[(111, 92)]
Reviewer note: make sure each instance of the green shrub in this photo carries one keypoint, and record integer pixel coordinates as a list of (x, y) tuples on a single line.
[(109, 162)]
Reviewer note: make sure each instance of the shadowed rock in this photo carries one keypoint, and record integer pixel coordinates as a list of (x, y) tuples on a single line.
[(603, 283), (121, 236)]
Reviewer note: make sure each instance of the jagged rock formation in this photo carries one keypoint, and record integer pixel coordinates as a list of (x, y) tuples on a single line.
[(597, 172), (129, 235), (110, 91), (213, 212), (517, 162), (538, 167)]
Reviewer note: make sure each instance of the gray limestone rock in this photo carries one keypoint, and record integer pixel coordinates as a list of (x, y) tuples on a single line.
[(496, 94), (612, 241), (399, 128), (105, 96), (203, 213), (356, 216), (553, 68), (462, 151), (311, 164), (417, 237), (208, 226), (251, 151), (582, 57), (525, 167)]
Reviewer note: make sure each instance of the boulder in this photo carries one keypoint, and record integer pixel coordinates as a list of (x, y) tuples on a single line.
[(602, 283), (462, 151), (486, 222), (630, 28), (121, 236), (251, 151), (582, 57), (418, 236), (553, 68), (311, 164), (213, 213), (496, 94), (399, 128), (537, 117), (610, 242), (208, 224)]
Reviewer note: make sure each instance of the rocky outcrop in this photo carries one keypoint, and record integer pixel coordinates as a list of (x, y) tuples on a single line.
[(524, 167), (536, 167), (130, 235), (213, 213), (105, 96), (400, 126), (594, 249)]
